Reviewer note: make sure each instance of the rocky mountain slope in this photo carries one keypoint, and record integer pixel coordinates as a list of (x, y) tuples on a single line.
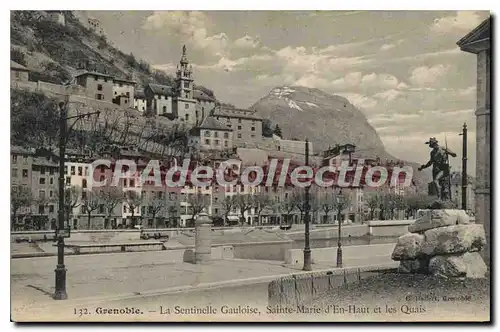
[(326, 120), (323, 118), (54, 52)]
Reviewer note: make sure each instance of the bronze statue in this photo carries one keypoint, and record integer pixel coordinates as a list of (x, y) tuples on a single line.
[(440, 169)]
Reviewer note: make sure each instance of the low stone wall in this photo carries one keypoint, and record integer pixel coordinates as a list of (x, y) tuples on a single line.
[(388, 227), (296, 256), (270, 250), (97, 236), (330, 232), (218, 253), (295, 290), (116, 247)]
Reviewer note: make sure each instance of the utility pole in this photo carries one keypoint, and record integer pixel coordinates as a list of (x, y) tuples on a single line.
[(60, 271), (464, 167), (340, 204), (61, 230), (307, 249)]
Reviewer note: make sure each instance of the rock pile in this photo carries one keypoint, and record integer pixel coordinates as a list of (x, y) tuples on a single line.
[(442, 242)]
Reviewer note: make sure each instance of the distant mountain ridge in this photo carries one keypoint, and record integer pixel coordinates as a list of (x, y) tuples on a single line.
[(326, 120)]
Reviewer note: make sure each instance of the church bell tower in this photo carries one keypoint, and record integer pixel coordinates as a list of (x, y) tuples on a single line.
[(184, 79)]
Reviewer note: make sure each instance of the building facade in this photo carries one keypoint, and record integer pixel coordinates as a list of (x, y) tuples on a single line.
[(456, 191), (212, 135), (123, 92), (246, 125), (97, 85), (478, 42), (140, 103), (159, 100), (18, 72)]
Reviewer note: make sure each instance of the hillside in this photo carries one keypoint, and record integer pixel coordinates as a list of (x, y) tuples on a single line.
[(54, 52), (325, 120)]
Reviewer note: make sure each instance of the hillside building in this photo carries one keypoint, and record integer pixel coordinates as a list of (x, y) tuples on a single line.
[(97, 85), (123, 92), (18, 72), (292, 146), (140, 103), (95, 25), (56, 16), (182, 101), (246, 125), (212, 135), (159, 100)]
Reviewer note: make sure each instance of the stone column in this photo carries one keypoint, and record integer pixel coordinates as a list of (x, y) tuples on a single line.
[(203, 239), (483, 149)]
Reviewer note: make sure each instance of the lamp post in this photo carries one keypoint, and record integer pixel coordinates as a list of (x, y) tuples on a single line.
[(307, 249), (340, 205), (60, 271), (464, 167)]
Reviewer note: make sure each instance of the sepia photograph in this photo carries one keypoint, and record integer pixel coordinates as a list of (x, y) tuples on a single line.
[(250, 166)]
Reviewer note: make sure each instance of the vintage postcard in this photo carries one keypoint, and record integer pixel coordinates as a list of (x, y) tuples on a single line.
[(250, 166)]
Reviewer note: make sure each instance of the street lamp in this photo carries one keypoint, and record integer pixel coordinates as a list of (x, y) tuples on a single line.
[(340, 207), (307, 248), (61, 231)]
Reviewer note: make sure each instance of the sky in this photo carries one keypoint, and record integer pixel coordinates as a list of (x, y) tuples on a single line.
[(402, 69)]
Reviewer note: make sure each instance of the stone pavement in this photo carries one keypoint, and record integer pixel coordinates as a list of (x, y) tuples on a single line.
[(109, 277)]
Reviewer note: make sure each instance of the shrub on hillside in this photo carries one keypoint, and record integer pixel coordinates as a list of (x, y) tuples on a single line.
[(18, 56)]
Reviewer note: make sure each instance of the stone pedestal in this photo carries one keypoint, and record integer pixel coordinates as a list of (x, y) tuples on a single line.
[(203, 239), (442, 242)]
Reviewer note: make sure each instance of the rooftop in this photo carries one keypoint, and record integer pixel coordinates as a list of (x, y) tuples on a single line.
[(20, 150), (159, 89), (198, 94), (236, 113), (212, 124), (86, 73), (478, 38), (124, 80), (139, 94), (17, 66)]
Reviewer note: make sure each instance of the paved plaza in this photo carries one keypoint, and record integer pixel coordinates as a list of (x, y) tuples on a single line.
[(111, 277)]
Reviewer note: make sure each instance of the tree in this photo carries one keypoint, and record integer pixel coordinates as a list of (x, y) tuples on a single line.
[(341, 202), (327, 204), (18, 56), (227, 205), (244, 202), (267, 130), (373, 201), (277, 131), (72, 199), (197, 202), (133, 200), (156, 206), (91, 201), (110, 196), (20, 197), (261, 201), (413, 203), (172, 211), (391, 202), (290, 203)]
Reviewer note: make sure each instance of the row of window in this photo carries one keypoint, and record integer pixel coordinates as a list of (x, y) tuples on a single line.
[(216, 134), (14, 159), (14, 173), (216, 142), (82, 171)]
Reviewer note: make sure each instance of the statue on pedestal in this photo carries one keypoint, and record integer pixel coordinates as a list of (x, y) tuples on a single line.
[(440, 185)]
